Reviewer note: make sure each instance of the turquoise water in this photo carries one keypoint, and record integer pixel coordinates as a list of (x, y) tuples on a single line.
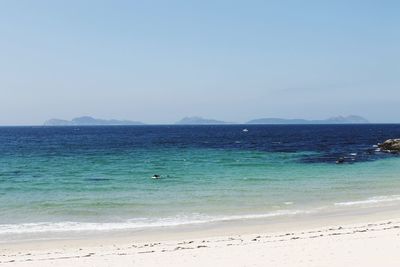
[(111, 188)]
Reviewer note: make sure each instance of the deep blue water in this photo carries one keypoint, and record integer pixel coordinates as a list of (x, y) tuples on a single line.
[(329, 141), (80, 178)]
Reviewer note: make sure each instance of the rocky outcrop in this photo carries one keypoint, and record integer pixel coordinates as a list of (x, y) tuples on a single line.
[(89, 121), (391, 146), (199, 121), (352, 119)]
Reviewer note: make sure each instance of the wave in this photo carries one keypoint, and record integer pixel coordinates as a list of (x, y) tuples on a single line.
[(371, 200), (68, 226), (143, 223)]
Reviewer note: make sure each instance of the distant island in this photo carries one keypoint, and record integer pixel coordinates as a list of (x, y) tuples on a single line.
[(89, 121), (199, 121), (352, 119)]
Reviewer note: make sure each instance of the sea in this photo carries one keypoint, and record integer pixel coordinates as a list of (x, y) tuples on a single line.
[(101, 179)]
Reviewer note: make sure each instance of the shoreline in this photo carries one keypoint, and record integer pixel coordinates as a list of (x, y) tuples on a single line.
[(377, 228), (304, 219)]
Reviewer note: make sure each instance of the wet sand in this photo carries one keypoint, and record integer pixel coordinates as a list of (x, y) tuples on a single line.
[(376, 243)]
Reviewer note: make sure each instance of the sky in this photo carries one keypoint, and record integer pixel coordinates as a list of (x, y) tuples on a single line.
[(159, 61)]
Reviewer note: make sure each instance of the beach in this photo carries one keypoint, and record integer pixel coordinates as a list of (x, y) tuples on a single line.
[(199, 133), (375, 243), (269, 196), (363, 236)]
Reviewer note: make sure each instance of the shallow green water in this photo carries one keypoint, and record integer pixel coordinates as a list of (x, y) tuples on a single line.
[(59, 185)]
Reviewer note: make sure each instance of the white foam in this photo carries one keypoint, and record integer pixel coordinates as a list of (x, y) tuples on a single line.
[(67, 226), (371, 200)]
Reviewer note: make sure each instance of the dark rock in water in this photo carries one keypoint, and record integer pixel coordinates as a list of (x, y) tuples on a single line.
[(340, 160), (391, 146)]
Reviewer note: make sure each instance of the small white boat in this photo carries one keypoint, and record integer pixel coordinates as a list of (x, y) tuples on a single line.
[(245, 130)]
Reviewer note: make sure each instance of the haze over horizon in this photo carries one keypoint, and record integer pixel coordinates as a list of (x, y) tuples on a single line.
[(158, 62), (193, 120)]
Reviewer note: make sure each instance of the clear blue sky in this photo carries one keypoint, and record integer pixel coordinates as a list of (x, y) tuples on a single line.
[(157, 61)]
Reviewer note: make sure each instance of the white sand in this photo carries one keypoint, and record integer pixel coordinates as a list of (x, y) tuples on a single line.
[(368, 244)]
